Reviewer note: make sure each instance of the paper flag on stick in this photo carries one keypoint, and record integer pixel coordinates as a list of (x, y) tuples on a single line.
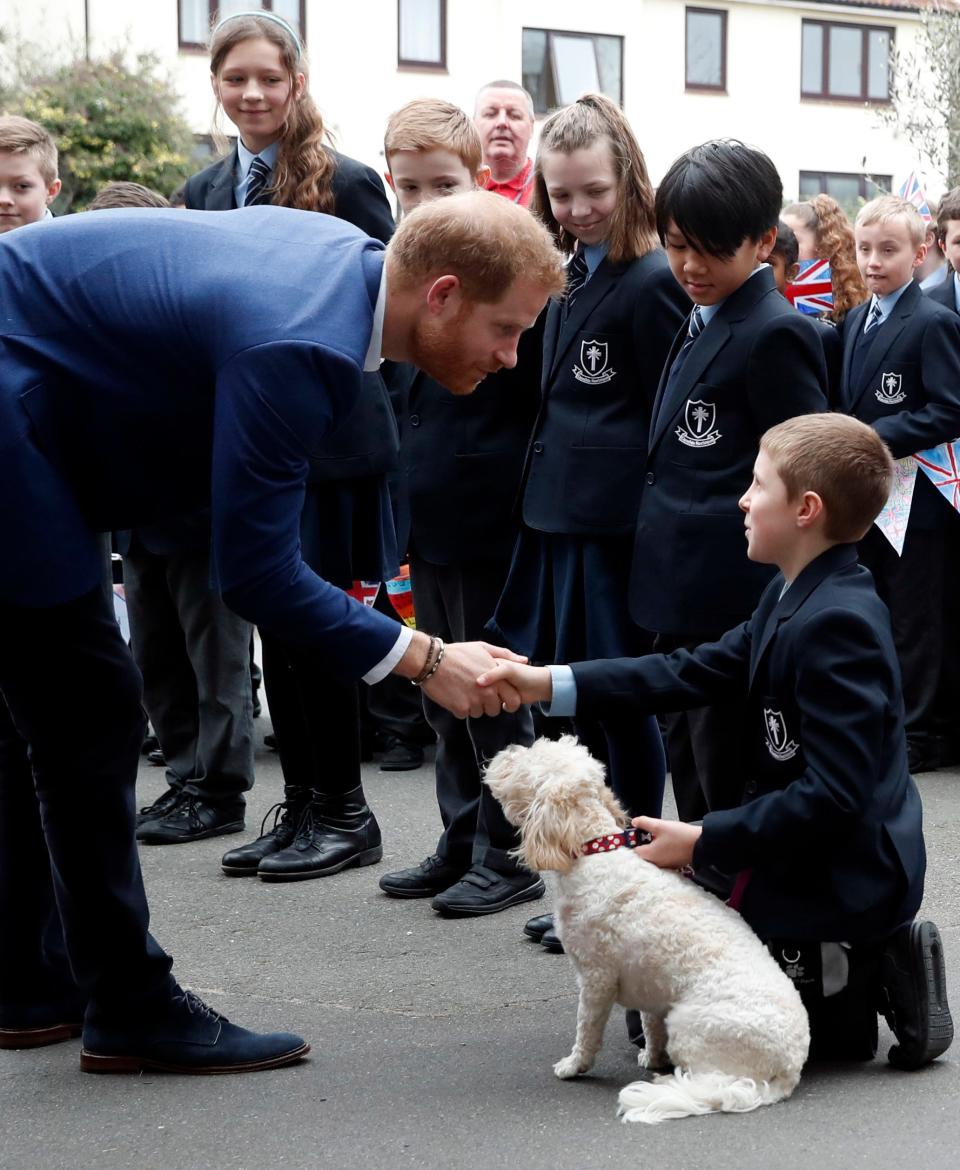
[(913, 193), (893, 518), (812, 291), (942, 467)]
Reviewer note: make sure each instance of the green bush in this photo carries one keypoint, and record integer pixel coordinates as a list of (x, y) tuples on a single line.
[(111, 122)]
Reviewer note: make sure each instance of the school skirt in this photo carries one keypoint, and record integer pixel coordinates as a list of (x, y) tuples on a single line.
[(565, 599)]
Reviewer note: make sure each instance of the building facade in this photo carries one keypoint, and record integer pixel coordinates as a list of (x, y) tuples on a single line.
[(803, 79)]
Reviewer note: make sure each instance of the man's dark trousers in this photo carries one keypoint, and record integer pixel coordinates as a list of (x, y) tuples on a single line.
[(73, 879)]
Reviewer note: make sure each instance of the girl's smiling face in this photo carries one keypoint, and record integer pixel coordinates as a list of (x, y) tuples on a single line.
[(583, 188), (255, 90)]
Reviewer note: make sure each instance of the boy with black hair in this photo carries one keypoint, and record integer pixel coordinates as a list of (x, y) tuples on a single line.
[(947, 292), (901, 374), (825, 857), (744, 361)]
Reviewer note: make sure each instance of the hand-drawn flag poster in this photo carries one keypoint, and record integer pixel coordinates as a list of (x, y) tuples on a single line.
[(893, 518), (942, 467)]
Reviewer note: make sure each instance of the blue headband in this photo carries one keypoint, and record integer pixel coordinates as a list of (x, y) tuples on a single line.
[(263, 16)]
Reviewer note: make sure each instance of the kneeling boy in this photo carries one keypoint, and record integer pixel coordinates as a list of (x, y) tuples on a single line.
[(827, 846)]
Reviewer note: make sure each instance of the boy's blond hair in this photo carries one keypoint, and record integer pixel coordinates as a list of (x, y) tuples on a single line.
[(432, 124), (486, 241), (123, 194), (840, 458), (891, 208), (21, 136)]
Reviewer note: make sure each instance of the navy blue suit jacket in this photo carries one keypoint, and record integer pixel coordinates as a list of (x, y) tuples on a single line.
[(601, 363), (757, 363), (909, 386), (831, 820), (155, 361), (944, 293)]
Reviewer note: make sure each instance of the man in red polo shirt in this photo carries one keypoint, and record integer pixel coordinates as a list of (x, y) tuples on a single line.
[(504, 119)]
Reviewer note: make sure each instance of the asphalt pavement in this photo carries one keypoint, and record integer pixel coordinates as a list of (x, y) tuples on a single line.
[(433, 1039)]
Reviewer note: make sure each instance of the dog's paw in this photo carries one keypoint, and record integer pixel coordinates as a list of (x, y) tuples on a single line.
[(648, 1058), (570, 1066)]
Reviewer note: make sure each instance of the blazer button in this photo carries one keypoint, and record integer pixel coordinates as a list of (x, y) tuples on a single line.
[(414, 420), (650, 477), (537, 448)]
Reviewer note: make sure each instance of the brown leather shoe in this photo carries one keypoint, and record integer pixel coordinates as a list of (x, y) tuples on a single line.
[(39, 1037)]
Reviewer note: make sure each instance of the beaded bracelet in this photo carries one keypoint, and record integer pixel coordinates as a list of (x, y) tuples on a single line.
[(429, 671)]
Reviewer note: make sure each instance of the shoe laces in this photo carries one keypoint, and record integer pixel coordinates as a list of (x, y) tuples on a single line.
[(196, 1006), (282, 811), (164, 803)]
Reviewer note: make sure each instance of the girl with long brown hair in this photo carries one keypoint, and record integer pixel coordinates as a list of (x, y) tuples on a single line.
[(824, 233)]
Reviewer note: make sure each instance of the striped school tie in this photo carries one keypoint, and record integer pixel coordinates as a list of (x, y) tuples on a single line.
[(257, 178), (874, 317), (577, 275)]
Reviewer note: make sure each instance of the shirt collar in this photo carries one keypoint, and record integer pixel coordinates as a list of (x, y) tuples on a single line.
[(517, 183), (374, 357), (594, 254), (956, 290), (708, 312), (245, 157), (888, 303)]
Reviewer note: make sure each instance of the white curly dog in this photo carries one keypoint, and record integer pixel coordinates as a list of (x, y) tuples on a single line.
[(713, 1001)]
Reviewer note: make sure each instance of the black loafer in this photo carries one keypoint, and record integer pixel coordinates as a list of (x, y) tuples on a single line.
[(192, 819), (914, 990), (484, 891), (550, 941), (432, 876), (536, 928)]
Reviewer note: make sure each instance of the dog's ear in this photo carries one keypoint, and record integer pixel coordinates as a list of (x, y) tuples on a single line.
[(511, 782), (558, 821)]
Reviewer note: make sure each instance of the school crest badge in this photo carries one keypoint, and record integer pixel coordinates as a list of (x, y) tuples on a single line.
[(594, 368), (700, 429), (890, 392), (778, 741)]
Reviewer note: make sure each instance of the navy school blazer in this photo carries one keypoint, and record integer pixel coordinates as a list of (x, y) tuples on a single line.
[(584, 467), (831, 822), (756, 363), (462, 458), (144, 374), (943, 293), (909, 386)]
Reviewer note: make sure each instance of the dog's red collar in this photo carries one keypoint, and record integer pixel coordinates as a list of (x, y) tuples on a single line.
[(627, 839)]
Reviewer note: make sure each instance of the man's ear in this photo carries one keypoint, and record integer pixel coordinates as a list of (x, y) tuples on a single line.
[(444, 295)]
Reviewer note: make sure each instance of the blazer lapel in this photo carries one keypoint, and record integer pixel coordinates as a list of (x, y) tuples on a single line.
[(704, 350), (889, 332), (551, 335), (220, 196), (853, 327), (837, 557), (603, 280)]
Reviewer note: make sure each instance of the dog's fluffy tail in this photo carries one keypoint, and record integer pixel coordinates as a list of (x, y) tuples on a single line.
[(687, 1094)]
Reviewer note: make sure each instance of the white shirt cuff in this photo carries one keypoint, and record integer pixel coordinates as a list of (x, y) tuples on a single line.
[(564, 701), (385, 665)]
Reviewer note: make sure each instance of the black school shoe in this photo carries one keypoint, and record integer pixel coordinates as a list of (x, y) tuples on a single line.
[(287, 815), (160, 807), (536, 928), (400, 755), (192, 819), (550, 941), (914, 995), (484, 891), (334, 833), (184, 1035), (432, 876)]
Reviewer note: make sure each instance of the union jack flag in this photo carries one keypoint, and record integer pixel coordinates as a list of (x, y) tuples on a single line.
[(942, 467), (812, 291), (913, 193)]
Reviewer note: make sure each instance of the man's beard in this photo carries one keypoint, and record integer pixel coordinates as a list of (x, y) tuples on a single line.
[(437, 350)]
